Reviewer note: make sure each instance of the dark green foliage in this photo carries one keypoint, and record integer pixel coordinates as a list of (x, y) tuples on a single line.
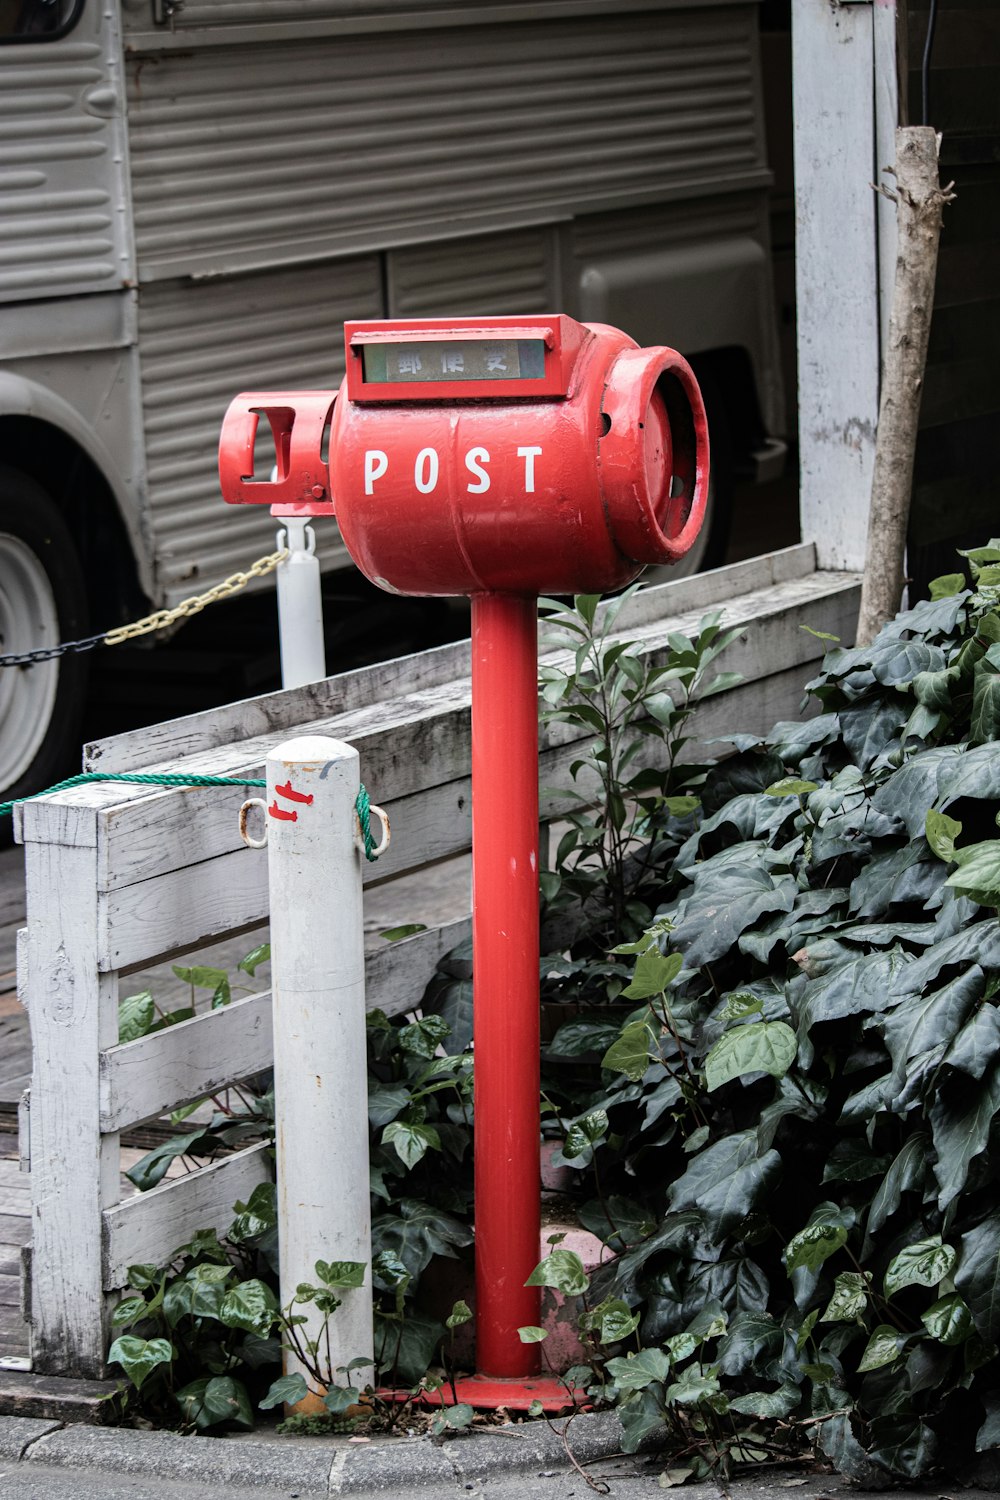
[(805, 1102)]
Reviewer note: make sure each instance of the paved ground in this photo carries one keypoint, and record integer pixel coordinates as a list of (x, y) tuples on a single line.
[(528, 1462)]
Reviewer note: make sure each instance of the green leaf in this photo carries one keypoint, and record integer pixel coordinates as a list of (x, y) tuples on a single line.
[(984, 722), (460, 1313), (790, 786), (757, 1047), (630, 1054), (926, 1263), (252, 961), (139, 1357), (339, 1399), (460, 1416), (410, 1142), (532, 1334), (408, 929), (152, 1168), (406, 1347), (941, 833), (219, 1399), (907, 1173), (342, 1273), (129, 1311), (613, 1320), (136, 1014), (977, 1275), (725, 1180), (202, 977), (740, 1005), (961, 1131), (585, 1133), (822, 1237), (563, 1270), (978, 872), (884, 1346), (654, 971), (634, 1372), (850, 1299), (286, 1391), (768, 1404), (947, 585), (948, 1320)]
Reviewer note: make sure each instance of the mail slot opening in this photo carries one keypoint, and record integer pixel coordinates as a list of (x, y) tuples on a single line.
[(270, 449), (674, 506)]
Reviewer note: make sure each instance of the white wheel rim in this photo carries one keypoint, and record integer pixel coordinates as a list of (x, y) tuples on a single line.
[(29, 620)]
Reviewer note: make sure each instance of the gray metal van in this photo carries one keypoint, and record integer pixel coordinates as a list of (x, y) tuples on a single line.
[(194, 194)]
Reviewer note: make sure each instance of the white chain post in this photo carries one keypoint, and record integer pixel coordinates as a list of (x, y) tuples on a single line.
[(320, 1057), (300, 607)]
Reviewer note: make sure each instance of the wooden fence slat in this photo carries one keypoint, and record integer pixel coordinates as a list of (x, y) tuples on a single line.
[(146, 1228), (182, 907), (74, 1168), (156, 1073), (145, 1078)]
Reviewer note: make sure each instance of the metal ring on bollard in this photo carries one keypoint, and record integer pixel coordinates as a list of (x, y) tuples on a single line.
[(245, 834), (383, 845)]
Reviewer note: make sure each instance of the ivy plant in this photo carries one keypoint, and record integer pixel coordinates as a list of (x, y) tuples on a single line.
[(800, 1105)]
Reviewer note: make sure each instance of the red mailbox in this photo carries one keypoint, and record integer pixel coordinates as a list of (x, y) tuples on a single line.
[(498, 458)]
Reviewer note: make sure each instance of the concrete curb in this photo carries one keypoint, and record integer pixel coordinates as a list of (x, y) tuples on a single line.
[(310, 1466)]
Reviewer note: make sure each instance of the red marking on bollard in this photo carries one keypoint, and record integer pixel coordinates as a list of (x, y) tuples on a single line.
[(285, 814), (293, 796)]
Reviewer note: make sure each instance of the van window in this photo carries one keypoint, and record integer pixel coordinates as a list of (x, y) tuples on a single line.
[(37, 20)]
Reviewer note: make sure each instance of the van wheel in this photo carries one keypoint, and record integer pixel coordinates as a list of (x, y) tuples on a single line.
[(43, 601)]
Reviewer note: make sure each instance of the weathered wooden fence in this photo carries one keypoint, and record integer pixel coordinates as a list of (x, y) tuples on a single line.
[(119, 877)]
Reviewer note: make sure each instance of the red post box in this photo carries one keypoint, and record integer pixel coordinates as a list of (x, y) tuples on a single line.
[(500, 458)]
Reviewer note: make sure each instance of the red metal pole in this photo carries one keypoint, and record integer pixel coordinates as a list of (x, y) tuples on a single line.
[(505, 977)]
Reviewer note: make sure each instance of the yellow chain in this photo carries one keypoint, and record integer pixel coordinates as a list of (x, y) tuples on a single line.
[(164, 617)]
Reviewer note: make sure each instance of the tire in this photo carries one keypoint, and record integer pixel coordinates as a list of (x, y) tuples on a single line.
[(43, 601)]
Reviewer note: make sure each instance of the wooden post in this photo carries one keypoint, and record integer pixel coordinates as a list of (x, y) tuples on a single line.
[(836, 277), (920, 201), (72, 1009)]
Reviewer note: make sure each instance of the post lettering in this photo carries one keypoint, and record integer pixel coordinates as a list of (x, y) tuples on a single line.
[(376, 463), (529, 455), (474, 460), (425, 470)]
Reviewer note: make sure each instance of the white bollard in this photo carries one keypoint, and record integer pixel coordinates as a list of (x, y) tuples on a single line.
[(320, 1059), (300, 607)]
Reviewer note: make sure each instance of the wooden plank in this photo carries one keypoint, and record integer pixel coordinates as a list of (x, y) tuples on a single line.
[(276, 714), (836, 274), (148, 1226), (15, 1229), (280, 713), (75, 1170), (193, 904), (145, 1078), (153, 1074)]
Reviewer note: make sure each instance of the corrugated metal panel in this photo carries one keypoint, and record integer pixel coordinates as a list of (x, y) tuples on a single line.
[(245, 156), (63, 224), (202, 343), (486, 276), (197, 13)]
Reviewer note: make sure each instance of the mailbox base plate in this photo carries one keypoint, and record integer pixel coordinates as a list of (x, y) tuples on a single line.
[(518, 1393)]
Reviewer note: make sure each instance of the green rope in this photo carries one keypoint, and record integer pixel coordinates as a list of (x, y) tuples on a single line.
[(363, 808), (362, 804), (134, 776)]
